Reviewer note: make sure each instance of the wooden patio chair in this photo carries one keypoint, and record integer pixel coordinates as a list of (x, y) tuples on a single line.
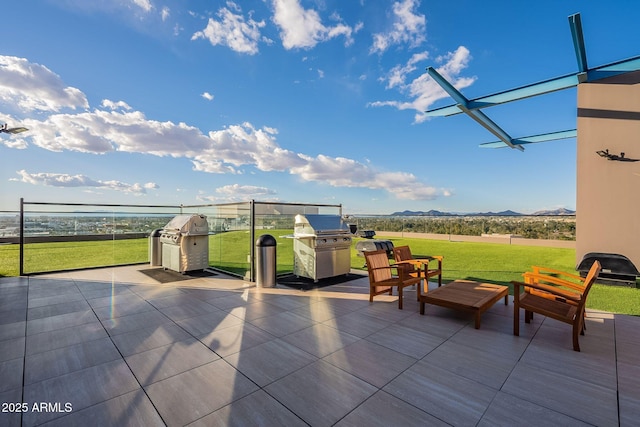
[(554, 297), (419, 266), (559, 278), (381, 277)]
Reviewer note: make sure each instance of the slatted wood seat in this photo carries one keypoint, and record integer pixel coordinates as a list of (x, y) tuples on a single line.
[(381, 277), (554, 297)]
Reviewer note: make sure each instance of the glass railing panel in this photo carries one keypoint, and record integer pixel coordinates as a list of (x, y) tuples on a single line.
[(229, 236), (69, 237), (61, 236)]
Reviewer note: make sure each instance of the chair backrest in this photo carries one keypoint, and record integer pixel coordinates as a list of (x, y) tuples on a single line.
[(588, 281), (402, 253), (375, 260)]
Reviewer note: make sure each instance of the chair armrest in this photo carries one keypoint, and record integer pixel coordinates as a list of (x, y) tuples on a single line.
[(423, 260), (386, 267), (409, 262), (535, 278), (546, 288), (544, 270), (430, 258)]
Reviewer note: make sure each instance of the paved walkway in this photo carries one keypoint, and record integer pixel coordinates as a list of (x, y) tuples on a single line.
[(114, 347)]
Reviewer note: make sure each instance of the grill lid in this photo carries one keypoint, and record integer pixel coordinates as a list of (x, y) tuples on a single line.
[(611, 263), (616, 269), (313, 225), (193, 225)]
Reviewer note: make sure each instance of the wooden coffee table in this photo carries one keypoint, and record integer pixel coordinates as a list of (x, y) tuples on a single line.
[(466, 295)]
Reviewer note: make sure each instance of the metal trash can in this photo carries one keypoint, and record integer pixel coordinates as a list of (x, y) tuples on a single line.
[(155, 247), (266, 261)]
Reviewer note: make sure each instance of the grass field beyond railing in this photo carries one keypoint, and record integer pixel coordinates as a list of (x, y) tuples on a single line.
[(486, 262)]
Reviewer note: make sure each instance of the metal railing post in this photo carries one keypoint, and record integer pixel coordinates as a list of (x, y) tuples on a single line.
[(21, 236), (252, 236)]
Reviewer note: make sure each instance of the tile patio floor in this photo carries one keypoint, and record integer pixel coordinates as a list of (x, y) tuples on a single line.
[(117, 348)]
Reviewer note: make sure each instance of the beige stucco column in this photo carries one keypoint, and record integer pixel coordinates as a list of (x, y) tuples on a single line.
[(608, 192)]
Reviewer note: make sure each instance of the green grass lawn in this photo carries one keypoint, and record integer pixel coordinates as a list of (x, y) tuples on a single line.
[(487, 262), (43, 257)]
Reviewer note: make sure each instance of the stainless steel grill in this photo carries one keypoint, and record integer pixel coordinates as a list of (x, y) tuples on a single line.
[(185, 243), (616, 269), (321, 246), (374, 245)]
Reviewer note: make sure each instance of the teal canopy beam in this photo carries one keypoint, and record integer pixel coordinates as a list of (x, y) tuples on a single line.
[(553, 136), (475, 114), (540, 88), (575, 22), (523, 92), (614, 69)]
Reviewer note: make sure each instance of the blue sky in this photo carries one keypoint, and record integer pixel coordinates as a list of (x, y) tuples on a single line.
[(321, 101)]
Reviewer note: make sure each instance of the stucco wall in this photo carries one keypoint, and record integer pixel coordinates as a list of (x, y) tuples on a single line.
[(608, 192)]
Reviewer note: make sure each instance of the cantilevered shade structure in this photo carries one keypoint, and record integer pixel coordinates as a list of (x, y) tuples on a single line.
[(472, 107)]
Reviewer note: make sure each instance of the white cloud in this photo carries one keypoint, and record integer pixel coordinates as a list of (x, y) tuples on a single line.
[(33, 87), (244, 190), (117, 127), (232, 30), (65, 180), (103, 131), (207, 96), (223, 151), (165, 13), (343, 172), (240, 145), (237, 192), (423, 90), (111, 105), (408, 28), (399, 73), (145, 5), (303, 28), (130, 10)]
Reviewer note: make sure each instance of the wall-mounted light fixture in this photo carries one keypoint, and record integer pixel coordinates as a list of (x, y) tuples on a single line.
[(13, 131), (616, 157)]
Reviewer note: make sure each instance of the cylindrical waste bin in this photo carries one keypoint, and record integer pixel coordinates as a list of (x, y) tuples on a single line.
[(266, 261), (155, 247)]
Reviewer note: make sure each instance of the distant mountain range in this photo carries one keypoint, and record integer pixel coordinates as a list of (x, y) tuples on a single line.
[(561, 211)]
